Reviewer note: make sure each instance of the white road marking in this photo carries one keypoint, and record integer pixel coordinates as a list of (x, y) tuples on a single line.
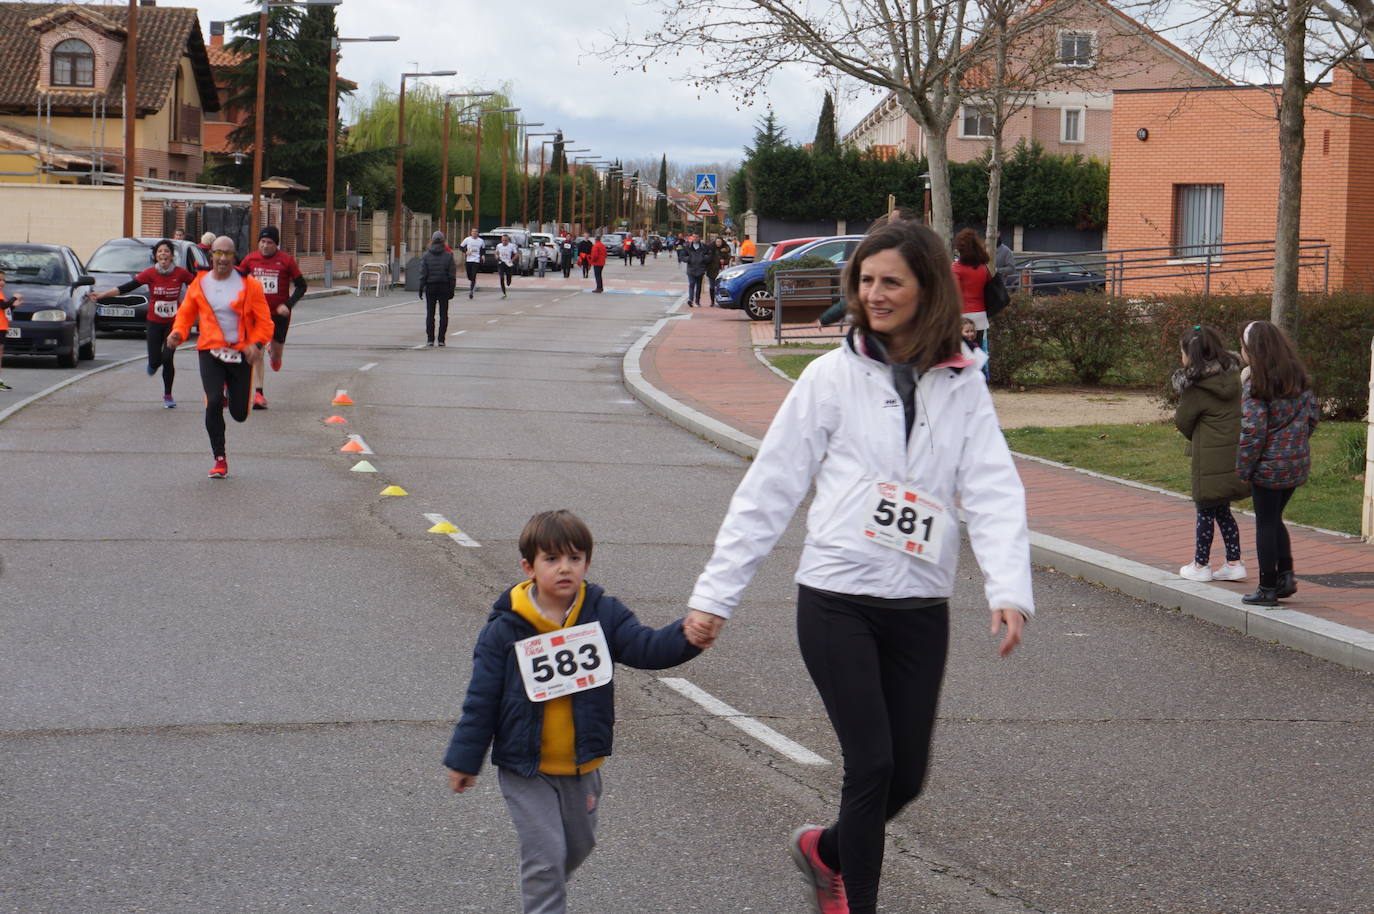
[(359, 439), (460, 537), (759, 731), (493, 320), (518, 312), (321, 320), (368, 367)]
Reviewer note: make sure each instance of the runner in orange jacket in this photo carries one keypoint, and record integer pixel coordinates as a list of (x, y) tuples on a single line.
[(235, 327)]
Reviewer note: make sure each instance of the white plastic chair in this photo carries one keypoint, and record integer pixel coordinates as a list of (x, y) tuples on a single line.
[(375, 271)]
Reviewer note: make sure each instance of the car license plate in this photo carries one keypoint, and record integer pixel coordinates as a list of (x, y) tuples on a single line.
[(111, 311), (12, 333)]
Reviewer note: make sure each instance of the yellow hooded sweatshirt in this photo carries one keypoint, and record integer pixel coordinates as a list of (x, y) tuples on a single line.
[(557, 751)]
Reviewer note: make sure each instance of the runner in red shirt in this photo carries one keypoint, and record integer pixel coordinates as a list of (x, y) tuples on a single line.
[(166, 283), (5, 305), (276, 270)]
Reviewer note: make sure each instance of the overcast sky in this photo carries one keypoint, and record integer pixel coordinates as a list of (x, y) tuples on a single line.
[(542, 50)]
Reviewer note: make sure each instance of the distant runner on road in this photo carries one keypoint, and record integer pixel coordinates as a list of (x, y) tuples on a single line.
[(472, 257), (275, 269), (235, 328)]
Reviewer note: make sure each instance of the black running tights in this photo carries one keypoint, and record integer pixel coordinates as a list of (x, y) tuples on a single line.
[(159, 356), (878, 672), (214, 375)]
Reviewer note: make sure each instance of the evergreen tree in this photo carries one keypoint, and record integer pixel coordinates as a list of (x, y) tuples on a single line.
[(296, 110), (768, 136), (826, 143), (661, 207)]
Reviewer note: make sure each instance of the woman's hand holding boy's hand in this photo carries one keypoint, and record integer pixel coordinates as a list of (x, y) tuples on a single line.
[(702, 628), (458, 782)]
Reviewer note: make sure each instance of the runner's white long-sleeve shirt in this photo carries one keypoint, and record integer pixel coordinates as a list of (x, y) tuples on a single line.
[(842, 425)]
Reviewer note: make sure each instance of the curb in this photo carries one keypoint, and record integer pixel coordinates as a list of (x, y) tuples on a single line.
[(1312, 635)]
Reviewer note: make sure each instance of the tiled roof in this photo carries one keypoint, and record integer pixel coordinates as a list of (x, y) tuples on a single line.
[(223, 57), (164, 34)]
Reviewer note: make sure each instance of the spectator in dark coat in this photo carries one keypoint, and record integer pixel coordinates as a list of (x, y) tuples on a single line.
[(695, 256), (438, 279)]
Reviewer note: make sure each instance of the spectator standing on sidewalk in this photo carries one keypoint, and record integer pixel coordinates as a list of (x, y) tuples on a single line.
[(584, 254), (882, 541), (971, 272), (597, 259), (567, 250), (747, 250), (694, 256), (719, 260), (438, 282), (1278, 415), (1208, 415)]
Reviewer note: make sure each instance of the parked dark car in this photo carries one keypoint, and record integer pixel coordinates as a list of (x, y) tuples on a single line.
[(615, 244), (119, 260), (1056, 276), (54, 316), (743, 286)]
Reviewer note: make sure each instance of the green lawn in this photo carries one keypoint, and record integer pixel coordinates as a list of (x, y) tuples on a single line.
[(792, 363), (1153, 454)]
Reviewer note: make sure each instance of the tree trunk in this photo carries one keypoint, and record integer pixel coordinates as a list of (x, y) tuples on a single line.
[(941, 203), (994, 192), (1283, 308)]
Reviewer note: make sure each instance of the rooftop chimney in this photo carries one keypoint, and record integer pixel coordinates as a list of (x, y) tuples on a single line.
[(217, 34)]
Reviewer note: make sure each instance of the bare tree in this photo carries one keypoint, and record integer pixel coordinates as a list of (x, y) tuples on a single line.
[(1288, 38), (920, 51)]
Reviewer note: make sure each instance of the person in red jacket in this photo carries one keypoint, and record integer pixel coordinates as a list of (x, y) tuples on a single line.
[(235, 328), (276, 270), (165, 281), (598, 262), (5, 305)]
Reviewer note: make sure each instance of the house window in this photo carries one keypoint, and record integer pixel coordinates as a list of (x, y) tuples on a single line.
[(1076, 49), (73, 64), (1071, 125), (975, 124), (1197, 220)]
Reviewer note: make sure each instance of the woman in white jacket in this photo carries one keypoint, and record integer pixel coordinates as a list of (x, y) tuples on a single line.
[(894, 427)]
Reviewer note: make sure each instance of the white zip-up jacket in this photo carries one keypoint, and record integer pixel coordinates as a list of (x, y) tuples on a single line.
[(843, 426)]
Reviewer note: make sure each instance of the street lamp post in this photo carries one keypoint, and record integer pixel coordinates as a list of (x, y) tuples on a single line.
[(255, 217), (525, 173), (443, 178), (130, 109), (329, 150), (562, 167), (542, 144), (586, 194), (505, 154), (401, 163), (477, 171)]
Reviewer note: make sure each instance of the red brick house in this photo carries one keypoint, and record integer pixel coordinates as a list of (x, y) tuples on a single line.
[(1196, 168)]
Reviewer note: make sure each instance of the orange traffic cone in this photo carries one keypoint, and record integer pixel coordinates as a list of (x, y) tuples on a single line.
[(351, 447), (342, 399), (336, 420)]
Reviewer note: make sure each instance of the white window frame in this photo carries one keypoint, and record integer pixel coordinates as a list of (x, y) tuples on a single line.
[(963, 121), (1092, 48), (1082, 113)]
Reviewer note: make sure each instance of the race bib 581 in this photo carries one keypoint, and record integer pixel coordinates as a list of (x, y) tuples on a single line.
[(906, 519)]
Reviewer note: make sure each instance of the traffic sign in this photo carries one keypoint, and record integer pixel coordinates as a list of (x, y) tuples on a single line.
[(706, 182), (462, 184), (463, 204), (704, 208)]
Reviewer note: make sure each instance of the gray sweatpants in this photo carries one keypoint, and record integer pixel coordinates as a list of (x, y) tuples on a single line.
[(555, 820)]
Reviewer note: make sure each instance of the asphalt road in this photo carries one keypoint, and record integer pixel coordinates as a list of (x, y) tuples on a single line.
[(233, 696)]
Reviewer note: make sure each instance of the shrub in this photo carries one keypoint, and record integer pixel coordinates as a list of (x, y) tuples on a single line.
[(805, 262), (1095, 334), (1014, 341)]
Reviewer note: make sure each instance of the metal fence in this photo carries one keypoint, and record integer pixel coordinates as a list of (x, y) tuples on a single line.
[(802, 296)]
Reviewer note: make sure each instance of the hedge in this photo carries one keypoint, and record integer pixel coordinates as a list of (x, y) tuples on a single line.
[(1095, 338)]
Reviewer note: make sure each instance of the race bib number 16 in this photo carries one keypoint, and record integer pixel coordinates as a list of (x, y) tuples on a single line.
[(908, 520), (564, 662)]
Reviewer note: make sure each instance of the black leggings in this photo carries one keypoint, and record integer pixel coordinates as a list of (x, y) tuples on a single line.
[(472, 274), (1271, 537), (503, 273), (879, 673), (214, 375), (159, 356), (431, 300), (1230, 534)]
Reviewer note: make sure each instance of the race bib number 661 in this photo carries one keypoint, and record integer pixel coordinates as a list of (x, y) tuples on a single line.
[(564, 662), (905, 519)]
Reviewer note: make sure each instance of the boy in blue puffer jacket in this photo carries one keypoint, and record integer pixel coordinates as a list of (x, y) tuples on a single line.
[(541, 697)]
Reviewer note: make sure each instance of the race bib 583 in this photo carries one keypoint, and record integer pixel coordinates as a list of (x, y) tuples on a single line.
[(564, 662)]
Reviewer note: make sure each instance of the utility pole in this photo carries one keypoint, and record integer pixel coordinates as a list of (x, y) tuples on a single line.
[(130, 113)]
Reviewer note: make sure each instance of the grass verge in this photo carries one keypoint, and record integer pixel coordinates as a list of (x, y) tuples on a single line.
[(1153, 454)]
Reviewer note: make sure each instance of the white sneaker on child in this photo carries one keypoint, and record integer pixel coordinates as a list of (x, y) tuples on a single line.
[(1230, 572), (1195, 572)]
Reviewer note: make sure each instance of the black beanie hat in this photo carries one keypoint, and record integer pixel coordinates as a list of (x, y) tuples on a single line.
[(270, 231)]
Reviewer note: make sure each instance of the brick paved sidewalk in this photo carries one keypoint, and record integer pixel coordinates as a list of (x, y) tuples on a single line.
[(706, 362)]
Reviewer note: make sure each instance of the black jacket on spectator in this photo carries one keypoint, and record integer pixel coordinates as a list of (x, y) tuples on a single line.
[(438, 272)]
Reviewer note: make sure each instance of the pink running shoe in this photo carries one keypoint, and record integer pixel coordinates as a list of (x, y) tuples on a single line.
[(826, 887)]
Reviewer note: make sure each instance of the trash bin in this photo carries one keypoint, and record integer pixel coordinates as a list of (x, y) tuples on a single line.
[(413, 274)]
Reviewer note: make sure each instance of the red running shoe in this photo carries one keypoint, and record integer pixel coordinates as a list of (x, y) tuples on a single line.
[(220, 469), (826, 887), (259, 401)]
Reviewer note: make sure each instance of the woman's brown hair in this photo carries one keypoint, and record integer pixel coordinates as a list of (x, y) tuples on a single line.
[(970, 248), (932, 336), (1276, 372)]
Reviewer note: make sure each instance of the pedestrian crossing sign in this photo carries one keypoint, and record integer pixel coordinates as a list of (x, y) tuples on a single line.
[(704, 208), (706, 182)]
